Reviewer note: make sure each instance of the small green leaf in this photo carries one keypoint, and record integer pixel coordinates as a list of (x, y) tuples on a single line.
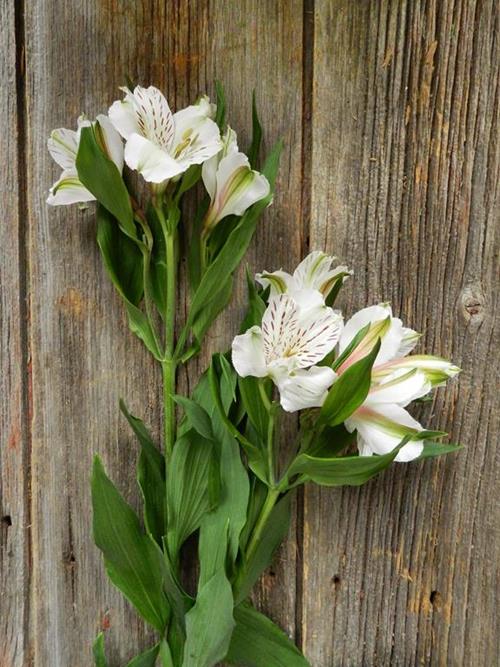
[(98, 651), (220, 116), (256, 306), (432, 449), (209, 624), (133, 560), (258, 642), (196, 416), (100, 175), (146, 659), (349, 390), (151, 477), (253, 151), (122, 258), (187, 487)]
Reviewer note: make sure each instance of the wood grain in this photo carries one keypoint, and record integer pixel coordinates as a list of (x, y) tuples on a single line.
[(389, 112), (405, 176), (14, 386)]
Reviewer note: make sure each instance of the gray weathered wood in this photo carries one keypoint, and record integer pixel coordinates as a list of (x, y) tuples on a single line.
[(389, 111), (14, 381), (405, 177)]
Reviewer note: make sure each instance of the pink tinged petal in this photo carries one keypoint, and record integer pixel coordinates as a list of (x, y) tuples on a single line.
[(153, 163), (400, 388), (436, 369), (248, 354), (68, 190), (382, 430), (63, 147), (361, 319), (112, 142), (305, 388)]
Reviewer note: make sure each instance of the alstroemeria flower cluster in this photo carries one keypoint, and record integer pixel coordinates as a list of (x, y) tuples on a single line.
[(161, 146), (299, 330)]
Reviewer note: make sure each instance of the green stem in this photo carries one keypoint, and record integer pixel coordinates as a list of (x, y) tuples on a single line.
[(273, 494), (270, 442)]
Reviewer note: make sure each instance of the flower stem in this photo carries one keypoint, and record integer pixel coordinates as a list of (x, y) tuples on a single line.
[(273, 494)]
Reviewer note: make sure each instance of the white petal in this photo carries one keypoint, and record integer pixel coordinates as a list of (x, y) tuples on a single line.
[(391, 338), (318, 333), (209, 168), (436, 369), (152, 162), (310, 271), (305, 388), (123, 116), (248, 354), (383, 429), (197, 138), (63, 147), (68, 190), (279, 281), (113, 143), (410, 339), (311, 301), (400, 388)]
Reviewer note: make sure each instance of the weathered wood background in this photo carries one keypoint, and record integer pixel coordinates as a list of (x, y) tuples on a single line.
[(389, 111)]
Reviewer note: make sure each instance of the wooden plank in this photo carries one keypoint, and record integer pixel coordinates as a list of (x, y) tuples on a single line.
[(405, 188), (14, 447), (83, 356)]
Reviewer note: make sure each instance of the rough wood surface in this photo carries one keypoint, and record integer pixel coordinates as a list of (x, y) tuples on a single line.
[(389, 111), (405, 188)]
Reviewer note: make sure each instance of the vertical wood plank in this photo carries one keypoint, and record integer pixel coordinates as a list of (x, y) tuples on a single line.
[(405, 188), (14, 448), (83, 356)]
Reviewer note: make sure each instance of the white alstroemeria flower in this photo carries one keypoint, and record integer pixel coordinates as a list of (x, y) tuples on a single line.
[(63, 147), (233, 186), (311, 282), (382, 422), (286, 348), (161, 145)]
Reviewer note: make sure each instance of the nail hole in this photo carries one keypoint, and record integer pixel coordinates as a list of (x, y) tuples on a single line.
[(7, 521), (435, 599), (336, 581), (272, 573)]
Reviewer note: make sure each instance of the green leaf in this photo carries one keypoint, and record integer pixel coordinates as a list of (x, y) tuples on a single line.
[(258, 642), (196, 416), (122, 258), (98, 651), (166, 655), (179, 600), (212, 310), (344, 470), (432, 449), (133, 561), (254, 406), (158, 262), (187, 487), (209, 624), (330, 442), (253, 151), (351, 347), (256, 305), (141, 327), (276, 529), (151, 477), (220, 116), (101, 177), (349, 390), (146, 659)]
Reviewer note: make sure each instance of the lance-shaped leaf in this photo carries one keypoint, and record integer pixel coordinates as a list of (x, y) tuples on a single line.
[(98, 651), (125, 273), (151, 477), (133, 561), (101, 177), (146, 659), (432, 449), (349, 390), (341, 471), (210, 623), (258, 642), (187, 488)]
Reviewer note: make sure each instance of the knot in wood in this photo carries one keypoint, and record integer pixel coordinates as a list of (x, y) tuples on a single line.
[(473, 304)]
